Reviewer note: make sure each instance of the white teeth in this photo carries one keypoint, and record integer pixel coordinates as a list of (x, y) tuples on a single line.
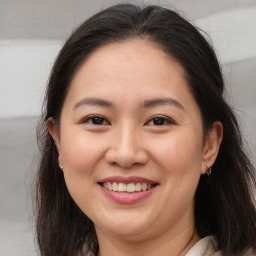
[(109, 186), (138, 187), (122, 187), (131, 187), (115, 186), (144, 186)]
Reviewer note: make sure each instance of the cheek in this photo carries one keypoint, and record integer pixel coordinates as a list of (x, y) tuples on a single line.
[(79, 152), (179, 162), (80, 157), (180, 154)]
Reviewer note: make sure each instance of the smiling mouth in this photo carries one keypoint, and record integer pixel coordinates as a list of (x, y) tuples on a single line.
[(127, 188)]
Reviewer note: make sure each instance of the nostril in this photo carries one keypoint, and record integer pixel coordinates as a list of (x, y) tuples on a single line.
[(125, 158)]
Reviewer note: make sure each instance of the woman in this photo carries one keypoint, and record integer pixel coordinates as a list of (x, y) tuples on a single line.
[(141, 155)]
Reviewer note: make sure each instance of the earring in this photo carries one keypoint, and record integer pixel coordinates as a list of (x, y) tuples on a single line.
[(61, 167), (209, 170)]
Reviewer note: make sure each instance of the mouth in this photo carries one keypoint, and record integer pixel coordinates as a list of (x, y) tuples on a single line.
[(132, 187), (127, 190)]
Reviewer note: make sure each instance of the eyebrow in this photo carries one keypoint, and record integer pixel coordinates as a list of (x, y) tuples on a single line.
[(94, 101), (162, 101), (146, 104)]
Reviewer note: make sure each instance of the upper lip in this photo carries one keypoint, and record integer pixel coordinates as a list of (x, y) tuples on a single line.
[(127, 180)]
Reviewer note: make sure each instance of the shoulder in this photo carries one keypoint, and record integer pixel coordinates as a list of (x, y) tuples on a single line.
[(205, 247)]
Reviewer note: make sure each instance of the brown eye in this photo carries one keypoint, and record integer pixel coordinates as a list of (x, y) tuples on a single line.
[(95, 120), (158, 121)]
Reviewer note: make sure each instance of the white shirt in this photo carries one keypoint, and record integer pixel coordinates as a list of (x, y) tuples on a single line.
[(205, 247)]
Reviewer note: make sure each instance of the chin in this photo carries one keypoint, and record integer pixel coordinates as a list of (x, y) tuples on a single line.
[(128, 228)]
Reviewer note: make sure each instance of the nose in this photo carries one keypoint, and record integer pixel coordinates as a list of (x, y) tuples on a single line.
[(126, 148)]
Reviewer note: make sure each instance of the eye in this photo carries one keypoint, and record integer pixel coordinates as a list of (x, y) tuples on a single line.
[(95, 120), (160, 120)]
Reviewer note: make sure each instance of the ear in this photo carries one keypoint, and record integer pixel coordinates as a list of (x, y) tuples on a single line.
[(52, 129), (212, 144)]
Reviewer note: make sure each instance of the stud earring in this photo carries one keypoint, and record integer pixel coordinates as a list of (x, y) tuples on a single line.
[(209, 170), (61, 167)]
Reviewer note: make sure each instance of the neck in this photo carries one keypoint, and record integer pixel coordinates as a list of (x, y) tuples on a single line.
[(164, 245)]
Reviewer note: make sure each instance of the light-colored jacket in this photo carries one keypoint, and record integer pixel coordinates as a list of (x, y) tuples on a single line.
[(205, 247)]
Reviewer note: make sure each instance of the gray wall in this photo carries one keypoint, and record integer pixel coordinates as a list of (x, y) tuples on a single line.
[(32, 32)]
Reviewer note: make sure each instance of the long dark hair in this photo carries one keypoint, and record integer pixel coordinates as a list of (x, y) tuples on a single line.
[(224, 202)]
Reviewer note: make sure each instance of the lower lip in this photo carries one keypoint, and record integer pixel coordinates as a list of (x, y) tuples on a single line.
[(125, 197)]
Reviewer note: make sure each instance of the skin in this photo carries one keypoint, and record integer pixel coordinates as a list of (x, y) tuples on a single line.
[(127, 142)]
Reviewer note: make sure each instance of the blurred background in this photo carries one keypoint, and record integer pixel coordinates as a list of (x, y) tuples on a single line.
[(31, 34)]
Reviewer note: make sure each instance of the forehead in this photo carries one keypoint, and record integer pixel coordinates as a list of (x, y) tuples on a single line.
[(133, 64)]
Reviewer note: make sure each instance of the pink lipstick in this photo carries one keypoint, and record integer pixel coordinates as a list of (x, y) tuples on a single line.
[(127, 190)]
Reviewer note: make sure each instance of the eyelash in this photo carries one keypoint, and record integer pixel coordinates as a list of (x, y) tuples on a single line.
[(166, 120), (98, 118), (89, 119)]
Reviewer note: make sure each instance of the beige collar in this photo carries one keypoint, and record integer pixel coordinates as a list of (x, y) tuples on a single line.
[(205, 247)]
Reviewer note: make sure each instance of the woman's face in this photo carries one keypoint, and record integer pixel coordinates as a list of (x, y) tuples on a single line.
[(131, 141)]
